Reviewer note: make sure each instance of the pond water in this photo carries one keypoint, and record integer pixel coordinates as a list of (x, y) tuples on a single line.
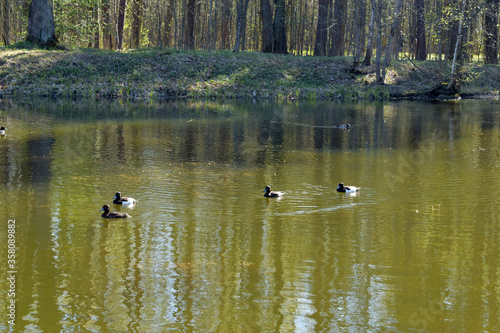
[(416, 249)]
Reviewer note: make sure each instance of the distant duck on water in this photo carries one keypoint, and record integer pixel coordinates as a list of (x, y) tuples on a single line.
[(347, 189), (119, 200), (112, 215), (271, 194), (2, 130)]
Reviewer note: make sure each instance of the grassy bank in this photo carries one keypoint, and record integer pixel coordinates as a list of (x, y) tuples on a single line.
[(166, 73)]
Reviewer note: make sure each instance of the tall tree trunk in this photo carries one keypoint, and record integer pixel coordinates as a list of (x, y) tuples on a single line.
[(6, 22), (393, 38), (358, 33), (455, 84), (189, 30), (339, 12), (41, 28), (279, 26), (241, 23), (377, 14), (97, 35), (136, 23), (122, 6), (452, 29), (322, 28), (168, 23), (420, 42), (160, 15), (209, 40), (491, 32), (439, 27), (107, 41), (369, 48), (226, 24), (267, 26)]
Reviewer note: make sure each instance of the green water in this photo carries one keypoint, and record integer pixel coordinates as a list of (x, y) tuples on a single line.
[(417, 249)]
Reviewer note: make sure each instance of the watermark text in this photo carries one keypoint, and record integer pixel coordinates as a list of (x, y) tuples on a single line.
[(11, 272)]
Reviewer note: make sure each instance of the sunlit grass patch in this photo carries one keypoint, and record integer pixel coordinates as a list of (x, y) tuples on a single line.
[(158, 73)]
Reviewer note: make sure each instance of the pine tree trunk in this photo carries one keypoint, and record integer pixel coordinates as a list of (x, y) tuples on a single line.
[(420, 43), (358, 34), (455, 84), (241, 23), (41, 28), (377, 16), (371, 30), (322, 28), (491, 32), (393, 38), (121, 22), (107, 42), (6, 22), (279, 27), (190, 17), (226, 24), (168, 23), (267, 26), (97, 35), (136, 23), (339, 11)]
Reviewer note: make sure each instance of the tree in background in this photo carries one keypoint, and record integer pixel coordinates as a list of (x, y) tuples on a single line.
[(301, 27), (241, 24), (338, 28), (225, 25), (189, 29), (267, 26), (5, 8), (279, 27), (455, 84), (369, 45), (360, 20), (41, 27), (105, 23), (491, 32), (322, 28), (135, 40), (122, 6), (420, 40)]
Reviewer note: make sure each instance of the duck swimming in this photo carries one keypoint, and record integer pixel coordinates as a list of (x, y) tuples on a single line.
[(271, 194), (2, 130), (112, 215), (347, 189), (119, 200)]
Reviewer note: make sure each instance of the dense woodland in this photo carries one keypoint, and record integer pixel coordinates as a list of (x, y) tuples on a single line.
[(459, 30)]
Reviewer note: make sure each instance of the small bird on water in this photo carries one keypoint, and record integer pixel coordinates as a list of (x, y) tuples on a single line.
[(119, 200), (112, 215), (347, 189), (271, 194)]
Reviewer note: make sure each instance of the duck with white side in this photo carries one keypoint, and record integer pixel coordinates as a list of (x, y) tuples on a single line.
[(119, 200), (347, 189), (272, 194)]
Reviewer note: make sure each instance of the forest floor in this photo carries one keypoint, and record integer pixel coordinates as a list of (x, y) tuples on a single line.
[(165, 73)]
